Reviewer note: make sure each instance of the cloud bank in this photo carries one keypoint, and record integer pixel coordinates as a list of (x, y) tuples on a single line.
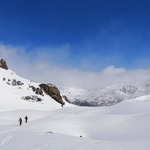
[(51, 65)]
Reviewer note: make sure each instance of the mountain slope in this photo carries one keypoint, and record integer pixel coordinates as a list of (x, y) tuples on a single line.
[(19, 93), (123, 126), (26, 93)]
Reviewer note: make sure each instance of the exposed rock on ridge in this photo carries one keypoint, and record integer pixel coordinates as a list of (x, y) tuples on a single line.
[(38, 90), (3, 64), (53, 92)]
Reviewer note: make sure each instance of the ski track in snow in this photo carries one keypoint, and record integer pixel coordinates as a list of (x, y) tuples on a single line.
[(5, 136)]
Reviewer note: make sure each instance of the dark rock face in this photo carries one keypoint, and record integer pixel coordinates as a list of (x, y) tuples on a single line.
[(3, 64), (66, 99), (53, 92)]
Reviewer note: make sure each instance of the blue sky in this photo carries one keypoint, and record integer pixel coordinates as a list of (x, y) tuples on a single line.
[(84, 34)]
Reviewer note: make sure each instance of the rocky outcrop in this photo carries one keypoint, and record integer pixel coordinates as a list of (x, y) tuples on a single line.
[(32, 98), (37, 90), (66, 99), (53, 92), (14, 82), (3, 64)]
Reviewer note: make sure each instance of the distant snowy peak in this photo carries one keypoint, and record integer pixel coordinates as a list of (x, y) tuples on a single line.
[(74, 91), (22, 90), (106, 96)]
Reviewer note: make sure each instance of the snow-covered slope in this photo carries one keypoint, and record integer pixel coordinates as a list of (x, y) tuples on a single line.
[(17, 93), (21, 93), (106, 96), (124, 126)]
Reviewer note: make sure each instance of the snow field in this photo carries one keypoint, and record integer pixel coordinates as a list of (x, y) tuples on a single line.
[(124, 126)]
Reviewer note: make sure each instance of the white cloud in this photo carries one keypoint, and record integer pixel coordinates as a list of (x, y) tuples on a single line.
[(41, 66)]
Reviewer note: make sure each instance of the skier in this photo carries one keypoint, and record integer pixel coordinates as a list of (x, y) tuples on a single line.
[(26, 119), (20, 121)]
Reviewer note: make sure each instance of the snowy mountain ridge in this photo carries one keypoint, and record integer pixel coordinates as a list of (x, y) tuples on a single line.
[(123, 126), (106, 96), (25, 91), (19, 93)]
